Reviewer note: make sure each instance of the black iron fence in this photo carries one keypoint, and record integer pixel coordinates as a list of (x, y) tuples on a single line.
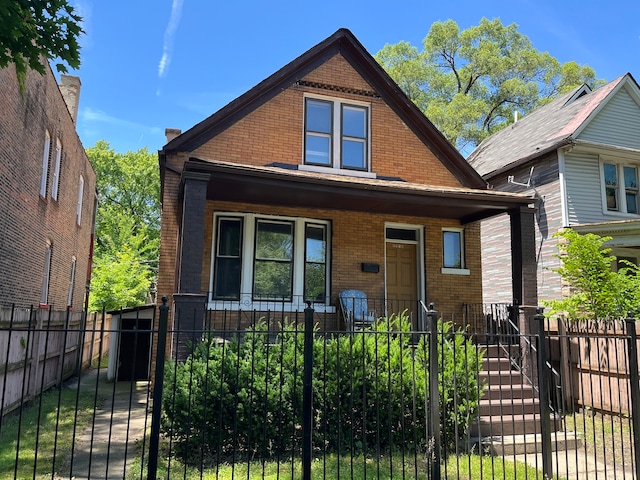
[(276, 396)]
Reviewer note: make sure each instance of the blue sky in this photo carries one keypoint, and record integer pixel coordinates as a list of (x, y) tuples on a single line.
[(148, 65)]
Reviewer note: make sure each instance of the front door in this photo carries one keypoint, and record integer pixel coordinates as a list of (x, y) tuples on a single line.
[(402, 279)]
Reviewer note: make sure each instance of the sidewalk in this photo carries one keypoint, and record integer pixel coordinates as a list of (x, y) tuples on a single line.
[(106, 448)]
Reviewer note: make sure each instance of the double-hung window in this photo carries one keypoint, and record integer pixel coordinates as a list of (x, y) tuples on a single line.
[(260, 258), (336, 134), (453, 251), (621, 187)]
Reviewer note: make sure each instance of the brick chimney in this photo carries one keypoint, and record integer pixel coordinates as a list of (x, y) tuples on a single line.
[(70, 89), (171, 133)]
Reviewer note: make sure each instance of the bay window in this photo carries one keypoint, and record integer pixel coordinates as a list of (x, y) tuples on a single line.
[(260, 258)]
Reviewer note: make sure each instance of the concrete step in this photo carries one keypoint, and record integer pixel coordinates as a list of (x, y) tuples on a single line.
[(509, 392), (521, 444), (492, 364), (494, 425), (501, 377), (502, 407)]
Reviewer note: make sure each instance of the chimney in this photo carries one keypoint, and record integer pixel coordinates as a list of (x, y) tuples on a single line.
[(70, 89), (171, 133)]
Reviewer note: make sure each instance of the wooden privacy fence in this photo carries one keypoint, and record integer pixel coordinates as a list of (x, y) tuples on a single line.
[(592, 357), (41, 347)]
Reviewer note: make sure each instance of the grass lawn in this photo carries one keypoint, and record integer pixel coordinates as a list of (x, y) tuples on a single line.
[(46, 427), (607, 438), (462, 467)]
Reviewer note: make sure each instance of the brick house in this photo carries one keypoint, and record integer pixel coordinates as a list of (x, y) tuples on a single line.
[(580, 156), (325, 177), (47, 194)]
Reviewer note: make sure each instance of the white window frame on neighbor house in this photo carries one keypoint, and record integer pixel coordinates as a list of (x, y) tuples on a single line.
[(621, 188), (336, 137), (46, 276), (247, 258), (448, 267), (45, 164), (56, 170), (80, 197)]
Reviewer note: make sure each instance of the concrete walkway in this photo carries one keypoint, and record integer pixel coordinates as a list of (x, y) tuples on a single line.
[(106, 448)]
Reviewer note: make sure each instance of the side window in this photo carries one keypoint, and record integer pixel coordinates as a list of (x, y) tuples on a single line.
[(56, 170), (45, 164), (228, 260), (46, 276), (453, 260), (72, 281)]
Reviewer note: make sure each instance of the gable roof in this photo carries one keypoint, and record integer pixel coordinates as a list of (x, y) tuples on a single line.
[(345, 43), (544, 130)]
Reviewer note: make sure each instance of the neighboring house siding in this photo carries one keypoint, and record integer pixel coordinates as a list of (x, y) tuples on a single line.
[(274, 132), (496, 236), (618, 123), (584, 194), (29, 221)]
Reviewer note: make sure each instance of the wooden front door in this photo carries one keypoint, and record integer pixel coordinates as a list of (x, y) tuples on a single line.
[(402, 279)]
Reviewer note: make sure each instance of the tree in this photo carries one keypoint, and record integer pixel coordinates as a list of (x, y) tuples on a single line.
[(127, 226), (596, 291), (32, 29), (470, 82)]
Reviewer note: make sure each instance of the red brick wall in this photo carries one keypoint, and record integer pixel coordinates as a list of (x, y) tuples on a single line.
[(27, 220), (274, 132)]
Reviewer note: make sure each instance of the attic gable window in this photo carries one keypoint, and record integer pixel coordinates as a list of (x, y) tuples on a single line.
[(336, 134), (620, 188)]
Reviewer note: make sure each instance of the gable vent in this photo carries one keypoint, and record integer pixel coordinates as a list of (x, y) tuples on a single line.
[(336, 88)]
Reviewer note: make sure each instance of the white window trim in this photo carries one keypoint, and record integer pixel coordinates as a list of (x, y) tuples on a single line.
[(622, 197), (455, 271), (337, 137), (56, 170), (246, 301), (45, 164), (80, 197)]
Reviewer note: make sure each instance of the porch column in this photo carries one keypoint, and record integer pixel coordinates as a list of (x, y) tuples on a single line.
[(189, 301), (524, 277)]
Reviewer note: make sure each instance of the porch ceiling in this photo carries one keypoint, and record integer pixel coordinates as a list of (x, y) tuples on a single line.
[(291, 187)]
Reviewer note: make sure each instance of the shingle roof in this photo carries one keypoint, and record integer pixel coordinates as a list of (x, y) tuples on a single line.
[(542, 131)]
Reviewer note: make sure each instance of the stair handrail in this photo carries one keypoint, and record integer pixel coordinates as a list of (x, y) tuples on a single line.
[(533, 348)]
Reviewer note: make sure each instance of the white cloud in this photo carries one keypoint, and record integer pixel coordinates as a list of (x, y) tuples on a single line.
[(169, 34), (91, 116)]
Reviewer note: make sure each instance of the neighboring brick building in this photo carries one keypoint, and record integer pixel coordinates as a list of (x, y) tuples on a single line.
[(47, 194), (324, 177)]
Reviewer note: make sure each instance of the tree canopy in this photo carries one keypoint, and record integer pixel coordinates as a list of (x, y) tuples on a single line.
[(31, 29), (127, 226), (469, 83)]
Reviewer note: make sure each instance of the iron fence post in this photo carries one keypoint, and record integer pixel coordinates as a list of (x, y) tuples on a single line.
[(543, 386), (635, 389), (158, 381), (307, 393), (434, 396)]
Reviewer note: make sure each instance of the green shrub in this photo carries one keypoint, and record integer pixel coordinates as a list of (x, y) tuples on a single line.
[(370, 392)]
